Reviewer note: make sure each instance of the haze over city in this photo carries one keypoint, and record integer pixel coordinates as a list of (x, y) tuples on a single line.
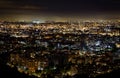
[(58, 9)]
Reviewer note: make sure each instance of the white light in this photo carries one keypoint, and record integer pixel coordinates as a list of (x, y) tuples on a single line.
[(97, 43), (37, 22)]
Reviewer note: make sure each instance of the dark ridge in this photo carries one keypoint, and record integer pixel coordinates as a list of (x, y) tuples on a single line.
[(8, 72), (114, 74)]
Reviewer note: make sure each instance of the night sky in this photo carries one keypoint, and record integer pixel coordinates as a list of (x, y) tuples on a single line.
[(57, 9)]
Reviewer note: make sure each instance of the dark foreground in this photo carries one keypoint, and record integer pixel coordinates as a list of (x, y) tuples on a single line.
[(7, 72)]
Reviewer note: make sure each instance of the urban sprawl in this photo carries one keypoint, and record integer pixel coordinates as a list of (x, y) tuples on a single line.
[(61, 49)]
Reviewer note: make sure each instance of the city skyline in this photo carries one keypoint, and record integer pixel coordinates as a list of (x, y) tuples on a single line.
[(59, 38)]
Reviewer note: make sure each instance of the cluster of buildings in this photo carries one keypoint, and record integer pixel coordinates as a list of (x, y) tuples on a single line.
[(61, 49)]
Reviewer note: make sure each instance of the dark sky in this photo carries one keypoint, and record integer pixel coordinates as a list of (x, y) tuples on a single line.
[(29, 9)]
